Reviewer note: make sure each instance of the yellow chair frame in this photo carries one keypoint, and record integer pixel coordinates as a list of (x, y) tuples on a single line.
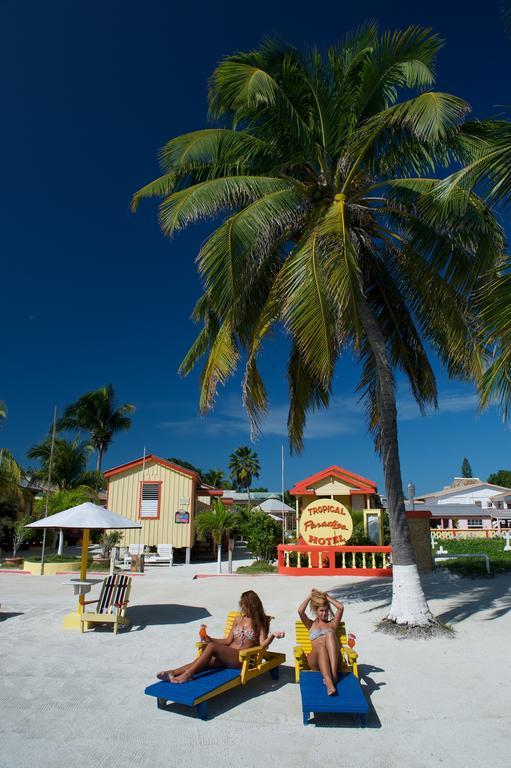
[(304, 646), (255, 661)]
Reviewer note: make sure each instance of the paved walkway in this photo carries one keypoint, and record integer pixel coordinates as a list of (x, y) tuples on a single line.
[(77, 700)]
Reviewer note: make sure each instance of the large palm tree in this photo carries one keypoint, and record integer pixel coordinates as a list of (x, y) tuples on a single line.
[(324, 171), (69, 462), (98, 414), (216, 521), (244, 466)]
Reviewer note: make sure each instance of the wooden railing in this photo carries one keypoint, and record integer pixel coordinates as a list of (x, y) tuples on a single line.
[(466, 533), (302, 560)]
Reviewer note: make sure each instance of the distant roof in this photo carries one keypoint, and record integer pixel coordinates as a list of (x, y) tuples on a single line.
[(254, 495), (272, 506), (462, 489), (458, 510), (361, 484)]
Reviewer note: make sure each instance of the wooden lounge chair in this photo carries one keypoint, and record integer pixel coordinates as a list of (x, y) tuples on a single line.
[(304, 646), (111, 604), (214, 681), (349, 697)]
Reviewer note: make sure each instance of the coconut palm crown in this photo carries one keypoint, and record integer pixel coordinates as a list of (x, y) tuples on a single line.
[(98, 414), (320, 180)]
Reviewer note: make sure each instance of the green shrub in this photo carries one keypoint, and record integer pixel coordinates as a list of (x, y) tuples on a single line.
[(262, 534)]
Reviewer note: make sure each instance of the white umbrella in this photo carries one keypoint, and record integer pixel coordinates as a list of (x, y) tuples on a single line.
[(87, 516)]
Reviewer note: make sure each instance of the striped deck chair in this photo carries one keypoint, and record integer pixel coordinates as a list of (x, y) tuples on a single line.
[(304, 646), (111, 604), (214, 681)]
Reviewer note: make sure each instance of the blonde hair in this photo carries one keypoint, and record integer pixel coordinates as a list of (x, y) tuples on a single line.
[(319, 600)]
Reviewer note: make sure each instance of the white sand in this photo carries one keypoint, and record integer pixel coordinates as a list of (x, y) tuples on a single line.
[(77, 700)]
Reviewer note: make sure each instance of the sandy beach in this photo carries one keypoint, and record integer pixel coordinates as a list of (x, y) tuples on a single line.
[(78, 700)]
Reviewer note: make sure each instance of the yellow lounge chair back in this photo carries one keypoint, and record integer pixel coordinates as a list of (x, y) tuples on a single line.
[(304, 641)]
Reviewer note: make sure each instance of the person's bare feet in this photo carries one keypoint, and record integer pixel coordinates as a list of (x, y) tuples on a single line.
[(330, 688), (166, 675), (184, 678)]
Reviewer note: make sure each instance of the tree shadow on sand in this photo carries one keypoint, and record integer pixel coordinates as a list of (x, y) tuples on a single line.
[(142, 616), (4, 615), (471, 596)]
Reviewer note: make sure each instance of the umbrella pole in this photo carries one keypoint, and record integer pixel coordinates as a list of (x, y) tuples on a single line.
[(49, 484), (83, 567)]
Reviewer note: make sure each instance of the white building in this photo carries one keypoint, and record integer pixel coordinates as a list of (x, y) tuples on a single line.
[(467, 503)]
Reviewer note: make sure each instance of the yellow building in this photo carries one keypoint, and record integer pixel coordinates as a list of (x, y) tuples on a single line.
[(163, 496)]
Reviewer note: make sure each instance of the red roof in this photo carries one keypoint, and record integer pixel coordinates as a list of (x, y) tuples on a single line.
[(358, 483), (151, 458)]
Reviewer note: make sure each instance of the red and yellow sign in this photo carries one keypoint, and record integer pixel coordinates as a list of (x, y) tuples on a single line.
[(326, 523)]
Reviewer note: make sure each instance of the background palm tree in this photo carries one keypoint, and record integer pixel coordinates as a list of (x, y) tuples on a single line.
[(244, 466), (10, 476), (216, 521), (3, 412), (325, 181), (215, 477), (98, 414), (69, 462)]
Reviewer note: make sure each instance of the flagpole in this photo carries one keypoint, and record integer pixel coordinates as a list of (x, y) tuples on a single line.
[(282, 489), (54, 429), (141, 503)]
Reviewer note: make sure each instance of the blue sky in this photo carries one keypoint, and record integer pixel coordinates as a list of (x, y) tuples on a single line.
[(92, 294)]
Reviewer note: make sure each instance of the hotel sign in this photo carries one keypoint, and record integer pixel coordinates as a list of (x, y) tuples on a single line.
[(326, 523)]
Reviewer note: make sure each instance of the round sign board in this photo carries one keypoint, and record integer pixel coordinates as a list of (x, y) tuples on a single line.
[(326, 523)]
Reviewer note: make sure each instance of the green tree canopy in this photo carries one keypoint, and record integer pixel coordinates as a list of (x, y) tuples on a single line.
[(502, 478), (466, 469), (215, 477), (97, 413), (321, 176)]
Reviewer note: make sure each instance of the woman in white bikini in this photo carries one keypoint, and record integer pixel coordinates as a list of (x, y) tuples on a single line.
[(325, 655), (249, 629)]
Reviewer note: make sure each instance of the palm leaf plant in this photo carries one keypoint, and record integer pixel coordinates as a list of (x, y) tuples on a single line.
[(69, 462), (244, 466), (321, 178), (98, 414), (216, 521), (10, 476)]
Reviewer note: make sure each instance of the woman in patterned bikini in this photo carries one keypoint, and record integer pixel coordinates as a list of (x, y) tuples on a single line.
[(249, 629), (325, 655)]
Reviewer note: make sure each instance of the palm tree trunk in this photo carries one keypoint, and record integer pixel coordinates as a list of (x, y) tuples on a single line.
[(219, 557), (409, 604), (99, 459), (249, 503)]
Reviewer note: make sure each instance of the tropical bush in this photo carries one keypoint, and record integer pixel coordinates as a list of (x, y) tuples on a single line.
[(262, 534)]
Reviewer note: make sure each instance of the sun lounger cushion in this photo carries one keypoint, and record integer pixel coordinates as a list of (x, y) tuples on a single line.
[(349, 698), (188, 693)]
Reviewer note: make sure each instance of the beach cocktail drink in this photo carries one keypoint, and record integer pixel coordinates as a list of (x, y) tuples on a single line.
[(203, 632)]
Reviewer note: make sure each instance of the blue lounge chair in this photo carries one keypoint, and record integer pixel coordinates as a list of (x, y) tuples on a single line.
[(214, 681), (348, 699)]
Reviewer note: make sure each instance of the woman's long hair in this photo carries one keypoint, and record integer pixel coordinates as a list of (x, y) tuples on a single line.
[(252, 607), (319, 600)]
